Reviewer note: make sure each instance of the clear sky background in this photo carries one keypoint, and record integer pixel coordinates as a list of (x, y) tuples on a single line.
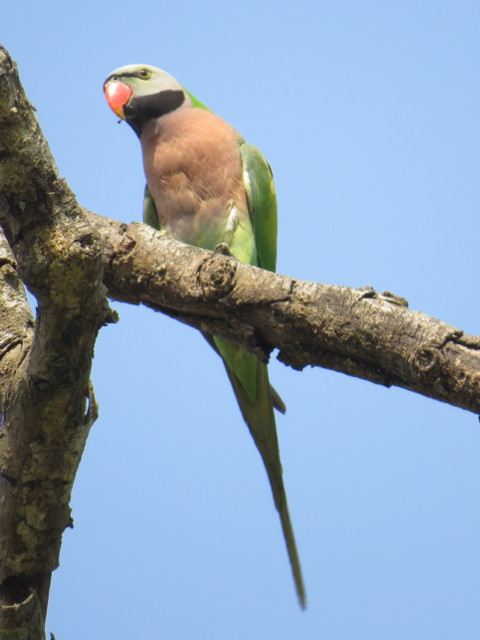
[(369, 115)]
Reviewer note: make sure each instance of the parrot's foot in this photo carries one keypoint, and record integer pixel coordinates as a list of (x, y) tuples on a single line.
[(223, 249)]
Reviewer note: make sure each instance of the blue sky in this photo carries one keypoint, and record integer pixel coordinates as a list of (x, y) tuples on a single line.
[(368, 113)]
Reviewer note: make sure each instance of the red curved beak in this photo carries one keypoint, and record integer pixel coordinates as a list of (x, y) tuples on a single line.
[(117, 95)]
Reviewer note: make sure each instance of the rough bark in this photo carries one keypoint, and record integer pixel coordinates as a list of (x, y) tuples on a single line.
[(67, 256), (48, 405), (355, 331)]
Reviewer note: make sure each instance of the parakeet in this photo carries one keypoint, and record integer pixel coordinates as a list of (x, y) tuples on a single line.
[(206, 186)]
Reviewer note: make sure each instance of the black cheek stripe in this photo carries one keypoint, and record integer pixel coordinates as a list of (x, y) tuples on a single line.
[(144, 108)]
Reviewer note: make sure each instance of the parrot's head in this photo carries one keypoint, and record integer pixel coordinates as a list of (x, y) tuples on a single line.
[(140, 92)]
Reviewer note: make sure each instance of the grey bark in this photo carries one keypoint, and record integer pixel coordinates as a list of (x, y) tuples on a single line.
[(47, 402)]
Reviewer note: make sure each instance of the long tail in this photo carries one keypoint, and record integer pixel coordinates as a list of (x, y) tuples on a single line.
[(260, 419)]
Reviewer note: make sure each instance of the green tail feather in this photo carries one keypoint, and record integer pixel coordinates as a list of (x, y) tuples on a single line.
[(260, 419)]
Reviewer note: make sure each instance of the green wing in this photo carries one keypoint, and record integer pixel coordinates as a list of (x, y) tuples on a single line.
[(150, 215), (262, 202), (262, 205)]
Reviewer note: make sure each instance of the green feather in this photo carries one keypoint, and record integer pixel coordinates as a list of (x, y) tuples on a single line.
[(150, 215), (195, 101), (261, 422), (262, 202)]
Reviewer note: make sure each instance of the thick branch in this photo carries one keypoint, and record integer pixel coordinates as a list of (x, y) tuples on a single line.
[(355, 331), (45, 387)]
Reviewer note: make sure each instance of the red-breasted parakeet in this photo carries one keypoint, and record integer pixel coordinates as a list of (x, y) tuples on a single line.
[(206, 186)]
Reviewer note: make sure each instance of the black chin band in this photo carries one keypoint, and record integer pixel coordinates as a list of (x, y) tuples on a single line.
[(142, 108)]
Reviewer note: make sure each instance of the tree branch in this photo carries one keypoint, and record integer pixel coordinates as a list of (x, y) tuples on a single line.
[(45, 388), (355, 331)]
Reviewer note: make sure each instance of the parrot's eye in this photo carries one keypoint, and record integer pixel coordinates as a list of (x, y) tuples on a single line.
[(145, 74)]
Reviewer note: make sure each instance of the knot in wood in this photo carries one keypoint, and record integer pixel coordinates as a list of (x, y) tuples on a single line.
[(216, 276), (426, 358)]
